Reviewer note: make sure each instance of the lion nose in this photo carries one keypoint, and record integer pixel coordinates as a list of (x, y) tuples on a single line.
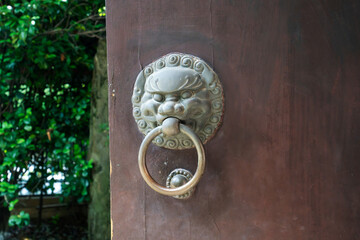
[(168, 108), (179, 109)]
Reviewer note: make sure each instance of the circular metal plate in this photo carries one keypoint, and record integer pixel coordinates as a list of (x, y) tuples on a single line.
[(186, 175), (181, 86)]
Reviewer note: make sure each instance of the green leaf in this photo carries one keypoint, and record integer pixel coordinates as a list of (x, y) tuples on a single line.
[(28, 128), (20, 141), (84, 191), (12, 204), (6, 125), (20, 220), (26, 120)]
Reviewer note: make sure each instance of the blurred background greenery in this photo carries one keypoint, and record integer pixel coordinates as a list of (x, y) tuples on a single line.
[(48, 108)]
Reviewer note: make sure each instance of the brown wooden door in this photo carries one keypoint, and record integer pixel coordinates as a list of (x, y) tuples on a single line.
[(285, 163)]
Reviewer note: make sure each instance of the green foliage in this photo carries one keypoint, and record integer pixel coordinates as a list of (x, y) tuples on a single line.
[(55, 219), (46, 61), (20, 220)]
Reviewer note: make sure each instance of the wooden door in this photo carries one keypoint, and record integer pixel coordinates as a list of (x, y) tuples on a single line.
[(285, 163)]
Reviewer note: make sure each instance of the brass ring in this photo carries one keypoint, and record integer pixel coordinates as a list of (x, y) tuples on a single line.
[(151, 182)]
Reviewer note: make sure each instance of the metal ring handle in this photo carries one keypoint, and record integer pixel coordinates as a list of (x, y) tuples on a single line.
[(151, 182)]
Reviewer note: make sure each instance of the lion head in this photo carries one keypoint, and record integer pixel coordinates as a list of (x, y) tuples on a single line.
[(180, 86)]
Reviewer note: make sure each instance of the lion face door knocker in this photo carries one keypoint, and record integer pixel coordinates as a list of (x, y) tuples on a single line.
[(178, 104)]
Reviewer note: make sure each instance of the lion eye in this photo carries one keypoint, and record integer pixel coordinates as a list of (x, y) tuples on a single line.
[(158, 97), (186, 94)]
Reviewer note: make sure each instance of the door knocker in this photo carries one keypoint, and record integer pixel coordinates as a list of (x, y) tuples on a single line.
[(178, 104)]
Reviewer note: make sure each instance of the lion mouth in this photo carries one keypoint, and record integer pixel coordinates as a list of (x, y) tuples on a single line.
[(188, 122), (161, 118)]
